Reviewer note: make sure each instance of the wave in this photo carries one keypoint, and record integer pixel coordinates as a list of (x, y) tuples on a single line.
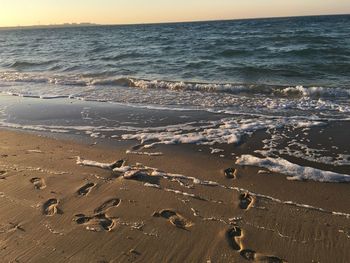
[(122, 56), (28, 64), (312, 51), (46, 97), (109, 82), (315, 92), (253, 89), (98, 80)]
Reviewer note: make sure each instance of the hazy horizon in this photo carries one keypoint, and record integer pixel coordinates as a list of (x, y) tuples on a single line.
[(87, 23), (105, 12)]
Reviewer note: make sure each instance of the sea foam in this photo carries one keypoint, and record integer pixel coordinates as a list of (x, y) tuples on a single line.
[(294, 171)]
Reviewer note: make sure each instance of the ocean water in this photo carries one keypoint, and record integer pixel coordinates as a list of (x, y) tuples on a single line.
[(210, 64), (261, 74)]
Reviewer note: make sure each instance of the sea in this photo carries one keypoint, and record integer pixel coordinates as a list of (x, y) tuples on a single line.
[(260, 74)]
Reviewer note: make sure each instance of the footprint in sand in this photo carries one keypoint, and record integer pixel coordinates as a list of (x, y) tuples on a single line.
[(84, 190), (246, 201), (230, 173), (174, 218), (115, 202), (97, 223), (251, 255), (248, 254), (38, 183), (234, 236), (50, 207)]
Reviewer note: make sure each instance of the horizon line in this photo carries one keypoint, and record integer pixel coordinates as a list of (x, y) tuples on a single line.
[(92, 24)]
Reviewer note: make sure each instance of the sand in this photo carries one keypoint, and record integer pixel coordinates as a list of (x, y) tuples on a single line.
[(185, 209)]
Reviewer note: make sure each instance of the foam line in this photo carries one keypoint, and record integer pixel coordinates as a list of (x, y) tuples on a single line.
[(107, 166), (169, 176), (294, 171)]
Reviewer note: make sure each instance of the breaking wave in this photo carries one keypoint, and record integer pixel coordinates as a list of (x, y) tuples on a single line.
[(230, 88)]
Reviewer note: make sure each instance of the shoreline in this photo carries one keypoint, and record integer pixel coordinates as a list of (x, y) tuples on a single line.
[(203, 212), (176, 143), (61, 184)]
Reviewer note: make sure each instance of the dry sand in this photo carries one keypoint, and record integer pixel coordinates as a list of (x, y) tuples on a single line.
[(54, 210)]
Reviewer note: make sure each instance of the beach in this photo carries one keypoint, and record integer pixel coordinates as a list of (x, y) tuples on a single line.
[(214, 141), (70, 197)]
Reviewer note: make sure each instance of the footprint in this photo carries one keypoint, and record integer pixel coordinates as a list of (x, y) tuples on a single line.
[(97, 223), (269, 259), (251, 255), (231, 173), (107, 205), (248, 254), (39, 183), (81, 219), (117, 164), (246, 201), (50, 207), (234, 236), (174, 218), (84, 190)]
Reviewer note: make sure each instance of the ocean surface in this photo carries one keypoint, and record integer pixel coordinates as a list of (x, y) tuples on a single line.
[(261, 74), (209, 63)]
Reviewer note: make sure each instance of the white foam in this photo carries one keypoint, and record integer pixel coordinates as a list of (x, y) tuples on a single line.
[(145, 153), (231, 88), (182, 193), (193, 96), (122, 169), (223, 131), (169, 176), (216, 150), (194, 180), (294, 171), (316, 91), (152, 185), (107, 166), (284, 143)]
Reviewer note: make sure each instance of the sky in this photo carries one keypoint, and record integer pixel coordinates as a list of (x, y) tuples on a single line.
[(43, 12)]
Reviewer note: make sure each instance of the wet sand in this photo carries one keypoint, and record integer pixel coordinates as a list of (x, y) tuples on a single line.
[(55, 209), (72, 190)]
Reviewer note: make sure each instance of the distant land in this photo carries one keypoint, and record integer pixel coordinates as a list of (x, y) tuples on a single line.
[(87, 24), (64, 25)]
